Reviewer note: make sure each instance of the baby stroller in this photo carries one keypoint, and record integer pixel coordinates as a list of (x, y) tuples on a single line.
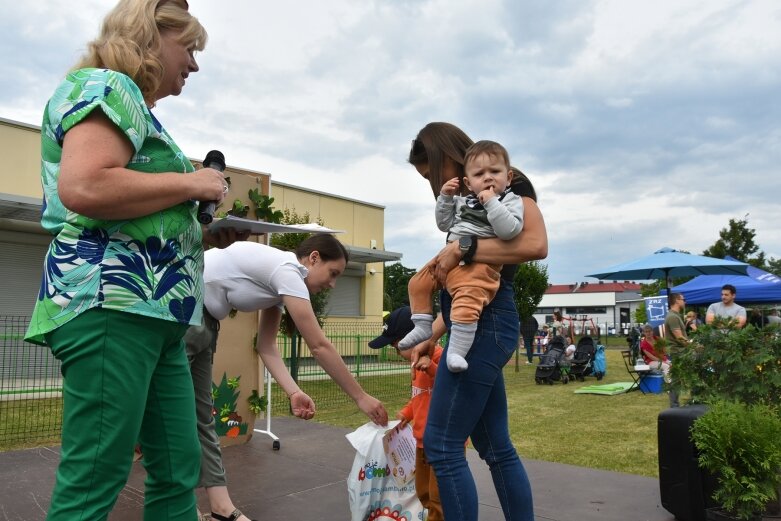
[(581, 365), (552, 366)]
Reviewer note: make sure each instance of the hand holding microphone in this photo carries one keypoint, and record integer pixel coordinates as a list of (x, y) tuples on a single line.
[(215, 160)]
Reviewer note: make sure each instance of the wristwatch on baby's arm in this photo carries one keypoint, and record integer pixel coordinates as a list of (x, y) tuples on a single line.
[(468, 246)]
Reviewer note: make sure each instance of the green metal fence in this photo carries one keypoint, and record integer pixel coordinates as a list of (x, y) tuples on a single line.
[(30, 380), (382, 372), (30, 384)]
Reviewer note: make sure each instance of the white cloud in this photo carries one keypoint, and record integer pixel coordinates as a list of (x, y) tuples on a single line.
[(642, 125)]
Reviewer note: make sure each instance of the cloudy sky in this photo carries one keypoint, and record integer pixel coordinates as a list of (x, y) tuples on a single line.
[(641, 124)]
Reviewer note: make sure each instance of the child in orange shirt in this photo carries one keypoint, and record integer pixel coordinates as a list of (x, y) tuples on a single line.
[(399, 323)]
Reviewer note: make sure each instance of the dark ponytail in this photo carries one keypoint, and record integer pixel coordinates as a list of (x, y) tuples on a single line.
[(328, 246)]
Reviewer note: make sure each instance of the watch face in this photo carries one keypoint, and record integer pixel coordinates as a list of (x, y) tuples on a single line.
[(465, 243)]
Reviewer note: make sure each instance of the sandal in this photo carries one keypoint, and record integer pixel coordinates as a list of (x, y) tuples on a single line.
[(232, 517)]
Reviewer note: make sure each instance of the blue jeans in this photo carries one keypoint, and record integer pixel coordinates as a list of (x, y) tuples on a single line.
[(473, 404)]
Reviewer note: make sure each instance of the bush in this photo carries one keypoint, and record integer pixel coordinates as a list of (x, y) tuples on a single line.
[(741, 365), (741, 445)]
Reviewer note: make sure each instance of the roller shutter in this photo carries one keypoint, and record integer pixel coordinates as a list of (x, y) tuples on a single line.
[(21, 266)]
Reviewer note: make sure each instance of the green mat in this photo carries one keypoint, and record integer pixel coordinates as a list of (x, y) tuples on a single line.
[(606, 389)]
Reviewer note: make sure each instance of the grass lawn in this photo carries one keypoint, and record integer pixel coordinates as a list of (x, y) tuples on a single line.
[(547, 422), (551, 423), (30, 423)]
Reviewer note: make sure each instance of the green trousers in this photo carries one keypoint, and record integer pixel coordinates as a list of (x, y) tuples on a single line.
[(125, 379)]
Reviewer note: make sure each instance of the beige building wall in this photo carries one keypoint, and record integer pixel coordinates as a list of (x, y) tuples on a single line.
[(362, 222), (20, 145)]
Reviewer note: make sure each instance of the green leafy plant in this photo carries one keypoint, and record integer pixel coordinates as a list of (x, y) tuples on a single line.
[(257, 403), (530, 283), (263, 209), (741, 445), (738, 373), (734, 364), (239, 209)]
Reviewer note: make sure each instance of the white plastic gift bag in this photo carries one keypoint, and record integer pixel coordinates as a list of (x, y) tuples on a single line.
[(374, 493)]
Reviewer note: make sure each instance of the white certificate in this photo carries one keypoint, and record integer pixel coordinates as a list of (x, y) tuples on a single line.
[(258, 227), (399, 445)]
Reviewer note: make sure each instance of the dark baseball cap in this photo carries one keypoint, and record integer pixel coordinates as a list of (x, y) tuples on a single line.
[(397, 326)]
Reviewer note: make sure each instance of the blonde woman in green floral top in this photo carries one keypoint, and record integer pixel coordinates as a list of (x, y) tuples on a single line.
[(122, 278)]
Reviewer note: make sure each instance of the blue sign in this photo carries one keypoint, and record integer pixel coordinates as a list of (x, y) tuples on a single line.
[(656, 309)]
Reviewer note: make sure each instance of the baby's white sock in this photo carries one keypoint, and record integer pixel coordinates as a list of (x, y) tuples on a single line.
[(459, 344), (421, 332)]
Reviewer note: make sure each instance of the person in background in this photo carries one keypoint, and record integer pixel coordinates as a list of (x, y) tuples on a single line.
[(473, 403), (398, 325), (676, 333), (648, 350), (122, 279), (773, 318), (692, 322), (557, 326), (248, 277), (674, 325), (727, 308), (529, 329), (757, 319), (569, 352), (546, 336)]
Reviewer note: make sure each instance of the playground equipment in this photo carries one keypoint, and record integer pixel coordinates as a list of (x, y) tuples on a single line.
[(587, 326)]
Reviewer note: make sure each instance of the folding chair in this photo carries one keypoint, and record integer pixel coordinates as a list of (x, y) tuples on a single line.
[(630, 368)]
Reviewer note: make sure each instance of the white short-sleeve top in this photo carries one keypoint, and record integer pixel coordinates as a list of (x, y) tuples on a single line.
[(248, 276)]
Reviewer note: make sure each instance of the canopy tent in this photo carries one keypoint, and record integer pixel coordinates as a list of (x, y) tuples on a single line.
[(757, 286), (667, 263)]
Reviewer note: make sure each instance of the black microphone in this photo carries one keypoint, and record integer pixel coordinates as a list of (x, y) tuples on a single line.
[(214, 159)]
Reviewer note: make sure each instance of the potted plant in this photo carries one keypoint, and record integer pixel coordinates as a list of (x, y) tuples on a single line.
[(742, 366), (740, 444)]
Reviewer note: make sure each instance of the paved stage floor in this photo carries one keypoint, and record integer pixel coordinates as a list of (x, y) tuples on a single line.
[(305, 479)]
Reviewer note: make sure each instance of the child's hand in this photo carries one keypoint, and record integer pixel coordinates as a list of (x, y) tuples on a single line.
[(486, 195), (404, 421), (451, 187), (423, 363), (419, 351)]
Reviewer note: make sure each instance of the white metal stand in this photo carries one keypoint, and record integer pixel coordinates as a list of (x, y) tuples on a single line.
[(267, 430)]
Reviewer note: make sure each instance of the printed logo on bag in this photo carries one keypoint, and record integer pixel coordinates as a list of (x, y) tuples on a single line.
[(373, 471), (383, 510)]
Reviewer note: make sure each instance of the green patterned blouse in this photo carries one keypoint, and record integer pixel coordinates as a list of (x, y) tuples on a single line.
[(151, 265)]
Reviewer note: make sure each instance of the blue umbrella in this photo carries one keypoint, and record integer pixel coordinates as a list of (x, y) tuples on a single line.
[(667, 263)]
